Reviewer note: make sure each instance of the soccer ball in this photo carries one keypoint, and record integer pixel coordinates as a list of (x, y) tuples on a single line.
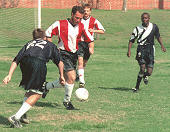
[(82, 94)]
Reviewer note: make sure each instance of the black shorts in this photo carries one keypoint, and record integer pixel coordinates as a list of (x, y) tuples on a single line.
[(69, 59), (145, 55), (34, 73), (83, 50)]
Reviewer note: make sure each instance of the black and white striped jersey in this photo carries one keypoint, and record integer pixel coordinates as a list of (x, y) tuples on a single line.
[(41, 49), (145, 35)]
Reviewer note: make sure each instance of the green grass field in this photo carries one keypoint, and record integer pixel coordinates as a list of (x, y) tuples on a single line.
[(110, 75)]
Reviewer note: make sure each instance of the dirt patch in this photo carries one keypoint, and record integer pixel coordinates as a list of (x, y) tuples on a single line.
[(162, 61), (5, 58)]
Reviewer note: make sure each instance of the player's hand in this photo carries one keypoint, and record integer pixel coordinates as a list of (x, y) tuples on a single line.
[(163, 49), (128, 54), (91, 51), (62, 81), (7, 79)]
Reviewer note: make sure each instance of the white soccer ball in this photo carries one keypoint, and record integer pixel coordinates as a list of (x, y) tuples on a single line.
[(82, 94)]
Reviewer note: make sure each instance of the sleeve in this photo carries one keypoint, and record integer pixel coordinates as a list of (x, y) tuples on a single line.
[(87, 36), (20, 54), (157, 34), (98, 25), (53, 29), (56, 57), (134, 35)]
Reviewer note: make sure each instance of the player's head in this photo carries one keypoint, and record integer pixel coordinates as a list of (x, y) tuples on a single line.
[(87, 10), (145, 17), (77, 14), (38, 33)]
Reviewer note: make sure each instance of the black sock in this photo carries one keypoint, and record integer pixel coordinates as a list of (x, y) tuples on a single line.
[(138, 82)]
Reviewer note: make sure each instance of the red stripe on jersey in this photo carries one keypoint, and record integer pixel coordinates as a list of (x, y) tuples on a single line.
[(97, 27), (54, 31), (64, 33), (81, 27), (91, 23)]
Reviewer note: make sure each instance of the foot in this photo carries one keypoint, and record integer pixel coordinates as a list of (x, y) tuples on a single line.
[(145, 79), (45, 90), (16, 123), (68, 105), (81, 85), (24, 119), (135, 90)]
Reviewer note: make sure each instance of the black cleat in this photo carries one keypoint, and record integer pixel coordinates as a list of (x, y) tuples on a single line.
[(68, 105), (24, 119), (45, 90), (81, 85), (16, 123), (145, 80), (135, 90)]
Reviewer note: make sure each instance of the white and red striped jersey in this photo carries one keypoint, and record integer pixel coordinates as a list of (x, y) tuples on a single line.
[(68, 35), (92, 23)]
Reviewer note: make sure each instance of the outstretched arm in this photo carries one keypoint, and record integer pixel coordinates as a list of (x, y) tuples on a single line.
[(11, 71), (100, 31), (162, 46), (129, 49)]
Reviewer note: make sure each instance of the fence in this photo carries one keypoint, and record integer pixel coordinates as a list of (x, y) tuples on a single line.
[(98, 4)]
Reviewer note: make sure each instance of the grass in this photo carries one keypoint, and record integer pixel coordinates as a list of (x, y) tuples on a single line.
[(110, 75)]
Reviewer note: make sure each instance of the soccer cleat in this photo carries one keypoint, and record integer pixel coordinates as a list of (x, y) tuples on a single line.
[(16, 123), (135, 89), (24, 119), (68, 105), (45, 90), (145, 80), (81, 85)]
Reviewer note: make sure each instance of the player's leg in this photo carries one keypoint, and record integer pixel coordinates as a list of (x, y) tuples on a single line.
[(147, 74), (70, 62), (82, 46), (32, 98), (139, 77), (24, 118), (70, 77), (81, 70)]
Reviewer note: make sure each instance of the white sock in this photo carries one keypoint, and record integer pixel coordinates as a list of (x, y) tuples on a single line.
[(54, 84), (68, 92), (24, 108), (81, 75)]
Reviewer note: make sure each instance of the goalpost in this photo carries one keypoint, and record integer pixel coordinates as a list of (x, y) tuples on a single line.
[(18, 18)]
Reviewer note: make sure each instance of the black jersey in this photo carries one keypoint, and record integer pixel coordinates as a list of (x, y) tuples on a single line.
[(145, 35), (41, 49)]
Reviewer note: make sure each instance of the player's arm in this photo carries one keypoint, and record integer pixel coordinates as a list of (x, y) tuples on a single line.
[(100, 31), (161, 44), (52, 30), (157, 35), (61, 72), (11, 71), (98, 28), (129, 49), (132, 40)]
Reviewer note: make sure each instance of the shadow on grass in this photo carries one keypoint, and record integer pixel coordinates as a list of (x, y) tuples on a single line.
[(4, 121), (118, 88), (39, 104)]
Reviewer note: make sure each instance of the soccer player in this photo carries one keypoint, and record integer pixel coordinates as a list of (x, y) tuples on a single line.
[(70, 32), (32, 59), (145, 34), (85, 48)]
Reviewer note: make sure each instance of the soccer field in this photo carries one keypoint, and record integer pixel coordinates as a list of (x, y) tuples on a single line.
[(110, 75)]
